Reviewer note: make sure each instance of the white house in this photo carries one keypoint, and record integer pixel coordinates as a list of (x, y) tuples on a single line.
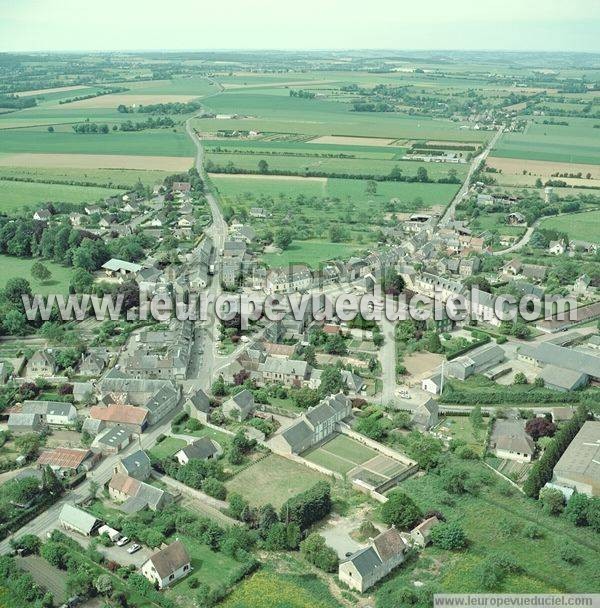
[(167, 565)]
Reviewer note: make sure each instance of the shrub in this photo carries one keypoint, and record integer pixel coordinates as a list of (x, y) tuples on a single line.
[(400, 511), (449, 536)]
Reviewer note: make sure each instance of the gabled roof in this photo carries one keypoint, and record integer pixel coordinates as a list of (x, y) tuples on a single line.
[(199, 400), (389, 544), (49, 408), (125, 414), (169, 560), (115, 265), (201, 449), (366, 561), (136, 463), (77, 518), (64, 458)]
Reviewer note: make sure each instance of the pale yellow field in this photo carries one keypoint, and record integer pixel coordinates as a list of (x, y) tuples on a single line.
[(286, 178), (112, 101), (513, 168), (97, 161), (74, 87), (348, 140)]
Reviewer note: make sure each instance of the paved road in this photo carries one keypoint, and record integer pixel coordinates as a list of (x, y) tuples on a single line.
[(388, 361), (475, 164), (48, 520), (519, 244), (218, 232)]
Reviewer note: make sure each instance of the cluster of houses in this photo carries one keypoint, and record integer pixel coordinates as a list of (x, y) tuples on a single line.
[(163, 568)]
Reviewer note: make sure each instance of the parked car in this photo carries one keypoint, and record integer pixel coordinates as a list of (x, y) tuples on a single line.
[(135, 547), (122, 541)]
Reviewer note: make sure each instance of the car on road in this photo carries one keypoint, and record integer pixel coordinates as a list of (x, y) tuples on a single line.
[(122, 541), (134, 548)]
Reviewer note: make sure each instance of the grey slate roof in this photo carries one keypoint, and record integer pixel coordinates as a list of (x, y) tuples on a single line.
[(49, 408), (366, 561), (137, 464), (201, 449)]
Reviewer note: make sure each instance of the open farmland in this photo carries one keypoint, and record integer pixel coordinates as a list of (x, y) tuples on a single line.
[(15, 195), (512, 171), (110, 177), (414, 195), (273, 479), (275, 113), (143, 143), (112, 101), (576, 143), (97, 161)]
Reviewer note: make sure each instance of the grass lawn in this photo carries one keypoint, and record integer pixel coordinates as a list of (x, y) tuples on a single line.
[(494, 522), (273, 479), (167, 447), (340, 454), (579, 226), (269, 588), (12, 267), (460, 427), (210, 567), (15, 195), (309, 252)]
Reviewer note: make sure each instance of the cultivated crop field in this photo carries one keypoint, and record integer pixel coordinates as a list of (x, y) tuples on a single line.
[(143, 143), (578, 142)]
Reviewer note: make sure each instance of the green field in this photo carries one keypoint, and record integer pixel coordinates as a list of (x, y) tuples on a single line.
[(12, 267), (16, 195), (340, 454), (576, 143), (273, 589), (414, 195), (309, 252), (276, 113), (140, 143), (118, 177), (351, 166), (579, 226), (273, 479)]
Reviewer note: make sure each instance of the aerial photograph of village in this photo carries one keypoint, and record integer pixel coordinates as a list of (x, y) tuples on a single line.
[(299, 304)]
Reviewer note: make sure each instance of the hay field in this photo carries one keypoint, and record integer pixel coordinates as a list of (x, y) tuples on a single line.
[(97, 161), (541, 168), (112, 101), (348, 140), (74, 87)]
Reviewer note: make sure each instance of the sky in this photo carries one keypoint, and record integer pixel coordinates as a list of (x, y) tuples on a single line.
[(82, 25)]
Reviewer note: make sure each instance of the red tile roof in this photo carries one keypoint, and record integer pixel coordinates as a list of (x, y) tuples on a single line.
[(65, 458), (126, 414)]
